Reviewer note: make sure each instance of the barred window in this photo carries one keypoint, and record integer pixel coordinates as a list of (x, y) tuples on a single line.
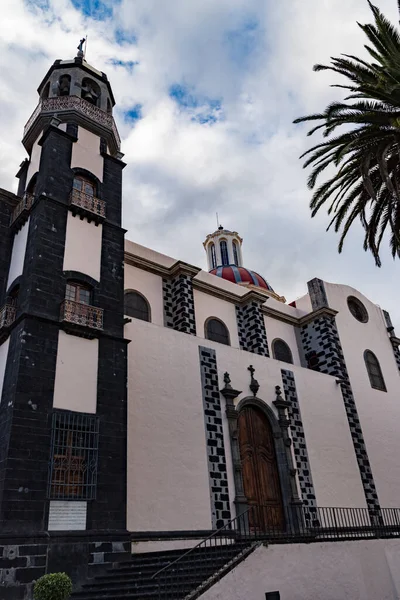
[(74, 456)]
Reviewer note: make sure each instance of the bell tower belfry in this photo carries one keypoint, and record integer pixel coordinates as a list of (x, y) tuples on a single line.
[(62, 348)]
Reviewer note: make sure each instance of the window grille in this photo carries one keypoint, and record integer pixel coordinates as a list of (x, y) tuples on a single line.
[(217, 331), (224, 253), (374, 371), (74, 456), (136, 306), (281, 351)]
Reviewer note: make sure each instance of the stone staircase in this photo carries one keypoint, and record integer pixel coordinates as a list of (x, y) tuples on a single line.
[(133, 579)]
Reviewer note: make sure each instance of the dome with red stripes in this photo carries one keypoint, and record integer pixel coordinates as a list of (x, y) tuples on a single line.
[(241, 275)]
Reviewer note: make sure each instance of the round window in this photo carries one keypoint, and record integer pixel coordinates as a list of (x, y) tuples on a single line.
[(357, 309)]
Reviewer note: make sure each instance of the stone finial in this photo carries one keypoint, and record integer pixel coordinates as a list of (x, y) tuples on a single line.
[(278, 392), (227, 380), (254, 385)]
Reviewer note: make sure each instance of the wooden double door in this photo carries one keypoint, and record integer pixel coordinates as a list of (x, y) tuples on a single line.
[(260, 470)]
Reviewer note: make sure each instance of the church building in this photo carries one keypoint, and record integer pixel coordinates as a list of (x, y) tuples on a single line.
[(171, 432)]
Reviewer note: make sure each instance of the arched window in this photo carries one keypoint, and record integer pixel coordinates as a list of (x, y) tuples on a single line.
[(64, 84), (136, 306), (213, 256), (235, 253), (218, 332), (281, 351), (78, 292), (82, 184), (374, 371), (90, 91), (224, 253)]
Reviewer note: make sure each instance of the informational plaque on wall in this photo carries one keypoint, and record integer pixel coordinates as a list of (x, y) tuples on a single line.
[(65, 515)]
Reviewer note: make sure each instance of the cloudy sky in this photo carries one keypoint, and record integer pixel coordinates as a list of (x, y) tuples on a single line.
[(206, 94)]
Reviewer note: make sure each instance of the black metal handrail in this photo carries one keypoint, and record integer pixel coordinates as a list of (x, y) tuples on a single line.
[(298, 524)]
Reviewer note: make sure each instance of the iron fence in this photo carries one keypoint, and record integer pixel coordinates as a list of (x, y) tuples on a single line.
[(259, 524)]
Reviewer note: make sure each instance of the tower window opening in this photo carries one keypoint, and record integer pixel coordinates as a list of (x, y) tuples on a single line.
[(90, 91), (109, 107), (46, 91), (84, 185), (213, 256), (78, 292), (374, 371), (64, 85), (235, 253), (224, 253)]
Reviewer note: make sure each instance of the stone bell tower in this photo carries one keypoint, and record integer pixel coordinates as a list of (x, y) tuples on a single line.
[(62, 349)]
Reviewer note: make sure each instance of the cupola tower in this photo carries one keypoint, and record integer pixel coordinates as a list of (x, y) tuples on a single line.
[(225, 260)]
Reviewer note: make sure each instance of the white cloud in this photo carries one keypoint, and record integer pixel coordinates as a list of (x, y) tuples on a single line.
[(256, 57)]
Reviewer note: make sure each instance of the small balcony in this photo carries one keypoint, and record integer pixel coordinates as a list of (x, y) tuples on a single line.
[(87, 206), (81, 111), (21, 211), (82, 319), (7, 317)]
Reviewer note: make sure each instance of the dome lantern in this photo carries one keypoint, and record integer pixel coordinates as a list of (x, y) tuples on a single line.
[(225, 260)]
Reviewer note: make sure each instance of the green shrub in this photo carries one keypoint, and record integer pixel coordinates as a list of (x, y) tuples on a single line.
[(55, 586)]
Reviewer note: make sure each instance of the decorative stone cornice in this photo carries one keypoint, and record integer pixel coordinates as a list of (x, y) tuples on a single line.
[(239, 300)]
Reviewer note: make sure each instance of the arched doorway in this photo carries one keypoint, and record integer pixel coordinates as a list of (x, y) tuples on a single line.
[(261, 481)]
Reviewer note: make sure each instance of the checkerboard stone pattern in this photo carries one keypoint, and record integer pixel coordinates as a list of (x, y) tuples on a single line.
[(298, 441), (179, 304), (320, 338), (217, 471), (251, 328), (396, 349)]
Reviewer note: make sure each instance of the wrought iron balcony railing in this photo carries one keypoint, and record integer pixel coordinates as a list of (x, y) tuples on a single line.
[(66, 103), (80, 314), (260, 524), (88, 203), (24, 205), (7, 314)]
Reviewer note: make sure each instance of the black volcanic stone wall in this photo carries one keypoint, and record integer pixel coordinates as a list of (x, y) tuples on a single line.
[(112, 188), (322, 346), (6, 241), (26, 408), (251, 328), (179, 311), (109, 509), (219, 492), (298, 440)]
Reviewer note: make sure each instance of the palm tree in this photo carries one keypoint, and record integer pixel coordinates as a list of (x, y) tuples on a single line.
[(366, 152)]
